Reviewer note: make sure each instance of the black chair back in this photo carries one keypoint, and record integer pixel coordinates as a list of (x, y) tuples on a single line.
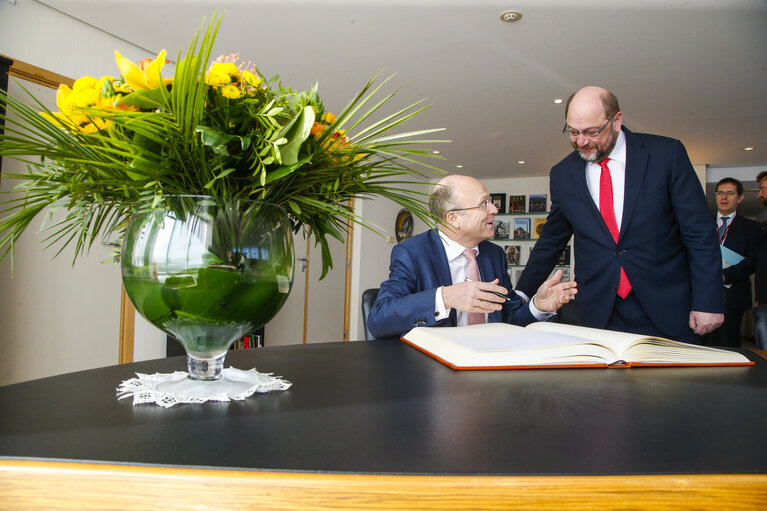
[(368, 298), (760, 326)]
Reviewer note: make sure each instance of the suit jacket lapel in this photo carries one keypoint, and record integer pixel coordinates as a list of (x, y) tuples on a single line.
[(733, 231), (636, 166), (581, 187), (439, 259), (440, 265)]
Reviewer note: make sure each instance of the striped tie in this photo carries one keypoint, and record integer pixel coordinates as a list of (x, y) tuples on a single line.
[(472, 273)]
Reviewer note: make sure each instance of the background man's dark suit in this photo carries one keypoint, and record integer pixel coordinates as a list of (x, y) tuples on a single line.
[(418, 267), (743, 238), (760, 280), (667, 244)]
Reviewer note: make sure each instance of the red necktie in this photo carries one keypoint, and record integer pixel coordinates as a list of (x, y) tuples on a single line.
[(472, 273), (608, 213)]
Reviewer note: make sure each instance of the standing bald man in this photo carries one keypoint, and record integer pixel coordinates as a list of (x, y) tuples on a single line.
[(646, 254)]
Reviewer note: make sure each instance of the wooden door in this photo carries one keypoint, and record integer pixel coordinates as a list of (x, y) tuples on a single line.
[(315, 309)]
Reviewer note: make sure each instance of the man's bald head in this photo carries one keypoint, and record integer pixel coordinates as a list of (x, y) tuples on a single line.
[(592, 97)]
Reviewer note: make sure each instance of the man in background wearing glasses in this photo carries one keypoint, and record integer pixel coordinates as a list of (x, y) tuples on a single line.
[(739, 237), (430, 276), (647, 259)]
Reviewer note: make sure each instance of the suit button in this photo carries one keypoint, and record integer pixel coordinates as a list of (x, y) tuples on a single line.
[(620, 252)]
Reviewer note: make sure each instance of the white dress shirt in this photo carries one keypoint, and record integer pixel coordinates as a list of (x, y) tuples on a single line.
[(719, 216), (617, 166), (457, 264)]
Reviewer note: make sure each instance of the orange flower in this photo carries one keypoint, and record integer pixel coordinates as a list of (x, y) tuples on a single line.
[(317, 129)]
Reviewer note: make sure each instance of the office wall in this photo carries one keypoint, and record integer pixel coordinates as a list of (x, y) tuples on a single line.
[(57, 318)]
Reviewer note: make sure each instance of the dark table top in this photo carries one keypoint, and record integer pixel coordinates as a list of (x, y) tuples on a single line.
[(384, 407)]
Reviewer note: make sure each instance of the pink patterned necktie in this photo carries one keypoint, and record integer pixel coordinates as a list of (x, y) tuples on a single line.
[(608, 213), (472, 273)]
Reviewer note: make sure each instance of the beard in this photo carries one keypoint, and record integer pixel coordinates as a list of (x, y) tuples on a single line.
[(600, 153)]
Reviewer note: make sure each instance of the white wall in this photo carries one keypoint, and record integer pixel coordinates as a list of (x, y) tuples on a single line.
[(56, 318), (714, 174)]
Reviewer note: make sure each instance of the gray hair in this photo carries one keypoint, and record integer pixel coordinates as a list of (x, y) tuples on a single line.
[(441, 201)]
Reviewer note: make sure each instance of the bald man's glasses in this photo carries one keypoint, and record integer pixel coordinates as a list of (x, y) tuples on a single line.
[(588, 132), (483, 206)]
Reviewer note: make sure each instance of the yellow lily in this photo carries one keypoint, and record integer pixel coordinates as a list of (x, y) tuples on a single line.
[(86, 93), (221, 74), (147, 76)]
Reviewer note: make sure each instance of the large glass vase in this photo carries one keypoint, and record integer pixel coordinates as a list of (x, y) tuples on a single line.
[(208, 271)]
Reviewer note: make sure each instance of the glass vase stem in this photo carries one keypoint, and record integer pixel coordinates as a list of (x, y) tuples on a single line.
[(205, 368)]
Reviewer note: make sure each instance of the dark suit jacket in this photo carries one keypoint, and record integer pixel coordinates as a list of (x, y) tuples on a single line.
[(418, 267), (743, 238), (760, 279), (667, 243)]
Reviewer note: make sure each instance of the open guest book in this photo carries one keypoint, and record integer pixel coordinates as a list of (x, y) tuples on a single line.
[(556, 345)]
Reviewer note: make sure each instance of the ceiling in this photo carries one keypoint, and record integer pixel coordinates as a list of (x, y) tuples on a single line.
[(695, 70)]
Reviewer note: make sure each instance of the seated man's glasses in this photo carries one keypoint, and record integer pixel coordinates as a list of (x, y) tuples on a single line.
[(728, 193), (483, 206), (588, 132)]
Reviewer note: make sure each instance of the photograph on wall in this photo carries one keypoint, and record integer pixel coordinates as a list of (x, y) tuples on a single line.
[(564, 258), (403, 225), (501, 229), (517, 203), (512, 254), (537, 203), (521, 228), (538, 227), (499, 201), (565, 275)]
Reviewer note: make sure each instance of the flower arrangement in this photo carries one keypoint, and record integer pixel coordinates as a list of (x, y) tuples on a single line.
[(216, 128)]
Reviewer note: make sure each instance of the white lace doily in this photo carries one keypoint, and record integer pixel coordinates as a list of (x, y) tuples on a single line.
[(167, 390)]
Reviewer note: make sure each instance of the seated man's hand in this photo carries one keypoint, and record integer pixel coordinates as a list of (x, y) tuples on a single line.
[(554, 294), (474, 296)]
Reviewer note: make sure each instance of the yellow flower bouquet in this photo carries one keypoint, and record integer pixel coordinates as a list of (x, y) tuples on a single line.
[(217, 128)]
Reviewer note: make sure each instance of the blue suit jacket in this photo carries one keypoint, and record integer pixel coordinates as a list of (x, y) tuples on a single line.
[(667, 243), (743, 238), (418, 267)]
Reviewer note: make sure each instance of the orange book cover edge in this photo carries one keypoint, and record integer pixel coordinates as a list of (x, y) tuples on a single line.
[(627, 365)]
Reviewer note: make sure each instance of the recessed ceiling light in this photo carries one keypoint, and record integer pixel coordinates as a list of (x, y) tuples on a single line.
[(459, 166), (510, 16), (559, 100), (435, 152), (749, 148), (521, 162)]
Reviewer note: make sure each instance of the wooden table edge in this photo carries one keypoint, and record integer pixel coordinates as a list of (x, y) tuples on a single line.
[(32, 484)]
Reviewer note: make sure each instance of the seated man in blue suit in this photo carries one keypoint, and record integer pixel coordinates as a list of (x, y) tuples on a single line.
[(430, 274)]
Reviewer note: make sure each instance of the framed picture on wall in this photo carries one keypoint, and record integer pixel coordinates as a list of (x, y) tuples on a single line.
[(501, 229), (512, 254), (403, 225), (517, 203), (499, 201), (537, 203), (521, 228)]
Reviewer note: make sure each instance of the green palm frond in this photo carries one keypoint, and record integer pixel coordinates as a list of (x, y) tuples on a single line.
[(196, 137)]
